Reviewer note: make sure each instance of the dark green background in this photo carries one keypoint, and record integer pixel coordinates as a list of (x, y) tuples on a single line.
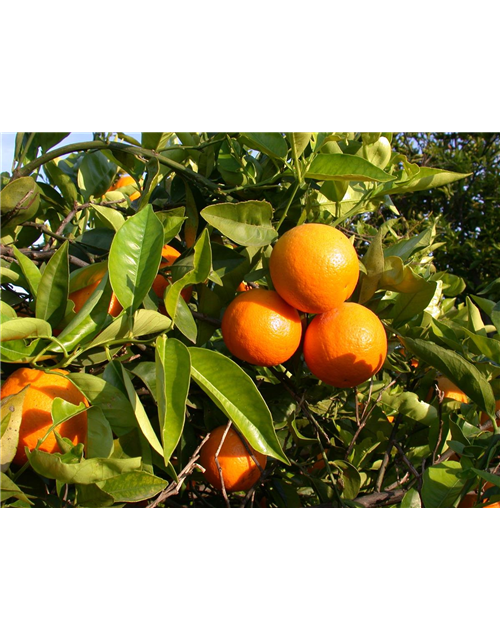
[(150, 575)]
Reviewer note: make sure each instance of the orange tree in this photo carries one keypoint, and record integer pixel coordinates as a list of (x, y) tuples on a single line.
[(155, 373)]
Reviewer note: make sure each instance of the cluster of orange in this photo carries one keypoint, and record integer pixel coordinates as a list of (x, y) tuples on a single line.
[(314, 269)]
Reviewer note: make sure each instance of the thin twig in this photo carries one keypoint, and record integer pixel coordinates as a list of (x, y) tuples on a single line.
[(40, 255), (219, 468)]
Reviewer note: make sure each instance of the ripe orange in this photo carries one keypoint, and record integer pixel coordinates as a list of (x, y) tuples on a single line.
[(345, 346), (450, 390), (314, 267), (125, 181), (495, 505), (81, 296), (36, 418), (243, 286), (261, 328), (238, 467)]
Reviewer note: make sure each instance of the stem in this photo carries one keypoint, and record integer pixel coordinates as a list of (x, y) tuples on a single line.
[(284, 214)]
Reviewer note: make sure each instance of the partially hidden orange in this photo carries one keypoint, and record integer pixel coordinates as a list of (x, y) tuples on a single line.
[(81, 296), (239, 470), (346, 346), (168, 256), (450, 389), (260, 328), (36, 416), (125, 181), (314, 267)]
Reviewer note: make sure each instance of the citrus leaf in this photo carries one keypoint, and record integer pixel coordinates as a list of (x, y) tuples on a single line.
[(464, 374), (20, 328), (236, 395), (90, 471), (246, 223), (11, 417), (95, 174), (109, 217), (134, 486), (173, 375), (135, 257), (99, 434), (115, 406), (272, 143), (427, 178), (411, 500), (442, 484), (339, 166), (20, 201), (410, 304), (202, 266), (140, 414), (298, 142), (30, 271), (9, 489), (53, 288)]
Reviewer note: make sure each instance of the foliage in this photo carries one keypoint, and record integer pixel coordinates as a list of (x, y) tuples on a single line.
[(160, 383)]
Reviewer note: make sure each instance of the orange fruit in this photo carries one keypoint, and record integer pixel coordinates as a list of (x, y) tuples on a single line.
[(495, 505), (238, 467), (160, 283), (314, 267), (259, 327), (450, 390), (345, 346), (36, 418), (125, 181), (243, 286), (81, 296)]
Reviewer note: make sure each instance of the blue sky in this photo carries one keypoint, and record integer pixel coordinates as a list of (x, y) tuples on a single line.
[(8, 141)]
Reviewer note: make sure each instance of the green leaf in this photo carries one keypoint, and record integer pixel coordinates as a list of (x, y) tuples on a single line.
[(20, 200), (11, 417), (410, 304), (405, 248), (30, 271), (339, 166), (246, 223), (99, 434), (442, 484), (374, 263), (427, 178), (91, 318), (464, 374), (53, 288), (474, 321), (90, 471), (9, 489), (173, 374), (95, 175), (20, 328), (140, 414), (146, 371), (185, 322), (115, 406), (272, 144), (236, 395), (298, 142), (172, 222), (408, 404), (61, 180), (134, 486), (411, 500), (400, 278), (351, 479), (202, 266), (62, 410), (135, 257), (110, 218)]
